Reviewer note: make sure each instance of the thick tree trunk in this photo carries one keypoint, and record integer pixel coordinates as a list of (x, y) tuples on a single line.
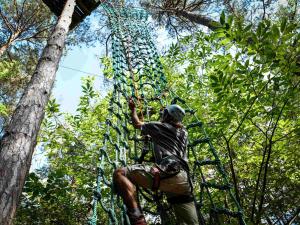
[(19, 140)]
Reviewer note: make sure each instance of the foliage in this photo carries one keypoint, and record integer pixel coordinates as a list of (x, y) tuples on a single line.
[(246, 79), (181, 17), (24, 24), (42, 197), (11, 82), (24, 27), (3, 110), (62, 193)]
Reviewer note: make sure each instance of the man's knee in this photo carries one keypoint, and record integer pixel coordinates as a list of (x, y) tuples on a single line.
[(117, 177), (120, 172)]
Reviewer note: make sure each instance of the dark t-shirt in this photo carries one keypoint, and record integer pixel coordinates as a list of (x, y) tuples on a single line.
[(168, 141)]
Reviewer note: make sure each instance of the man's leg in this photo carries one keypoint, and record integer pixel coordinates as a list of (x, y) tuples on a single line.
[(176, 187), (186, 213), (127, 190)]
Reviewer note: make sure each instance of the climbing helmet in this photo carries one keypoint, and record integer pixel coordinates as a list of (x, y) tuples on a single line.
[(176, 112)]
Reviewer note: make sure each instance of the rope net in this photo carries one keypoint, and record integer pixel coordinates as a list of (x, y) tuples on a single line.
[(138, 72)]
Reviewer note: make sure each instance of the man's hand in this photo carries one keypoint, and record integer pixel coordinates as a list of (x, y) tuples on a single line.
[(135, 119), (131, 104)]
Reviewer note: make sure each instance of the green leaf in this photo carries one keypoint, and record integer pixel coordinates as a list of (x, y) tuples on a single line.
[(225, 41), (214, 78), (220, 34), (3, 110), (259, 29), (247, 28), (275, 32), (230, 20), (222, 18), (283, 24)]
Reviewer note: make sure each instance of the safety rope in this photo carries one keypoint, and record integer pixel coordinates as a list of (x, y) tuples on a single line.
[(138, 72)]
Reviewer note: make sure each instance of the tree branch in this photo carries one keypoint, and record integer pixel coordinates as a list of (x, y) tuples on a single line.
[(293, 217), (258, 180), (248, 110), (199, 19), (8, 25), (284, 136), (234, 177), (264, 185)]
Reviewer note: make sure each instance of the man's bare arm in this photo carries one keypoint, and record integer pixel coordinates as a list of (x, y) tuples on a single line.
[(135, 119)]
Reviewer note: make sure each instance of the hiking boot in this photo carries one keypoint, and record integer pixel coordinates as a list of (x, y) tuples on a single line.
[(136, 217), (137, 221)]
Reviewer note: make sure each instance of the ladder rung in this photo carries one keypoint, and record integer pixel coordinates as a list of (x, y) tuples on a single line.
[(199, 141), (192, 125), (190, 111), (125, 128), (174, 101), (207, 162), (227, 212)]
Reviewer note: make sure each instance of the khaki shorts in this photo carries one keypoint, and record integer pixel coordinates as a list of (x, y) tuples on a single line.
[(140, 175), (186, 213)]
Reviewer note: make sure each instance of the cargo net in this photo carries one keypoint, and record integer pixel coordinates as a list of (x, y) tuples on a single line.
[(138, 73)]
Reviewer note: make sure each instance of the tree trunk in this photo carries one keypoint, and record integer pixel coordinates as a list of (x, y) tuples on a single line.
[(19, 140)]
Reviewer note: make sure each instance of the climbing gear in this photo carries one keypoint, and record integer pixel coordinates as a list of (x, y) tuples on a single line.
[(180, 199), (145, 149), (138, 72), (176, 112), (177, 184), (170, 166), (156, 178), (166, 169)]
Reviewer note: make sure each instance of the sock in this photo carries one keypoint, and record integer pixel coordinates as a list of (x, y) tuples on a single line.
[(134, 212)]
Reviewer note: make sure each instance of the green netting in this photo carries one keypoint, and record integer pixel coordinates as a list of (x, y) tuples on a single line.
[(139, 73)]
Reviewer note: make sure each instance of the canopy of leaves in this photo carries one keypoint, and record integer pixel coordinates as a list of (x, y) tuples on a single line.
[(244, 82)]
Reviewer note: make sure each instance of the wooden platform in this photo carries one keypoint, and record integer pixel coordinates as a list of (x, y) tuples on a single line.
[(83, 8)]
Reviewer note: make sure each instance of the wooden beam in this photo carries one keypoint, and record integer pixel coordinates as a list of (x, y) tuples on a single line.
[(83, 9)]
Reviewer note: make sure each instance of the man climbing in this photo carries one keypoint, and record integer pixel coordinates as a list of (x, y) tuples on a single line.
[(169, 174)]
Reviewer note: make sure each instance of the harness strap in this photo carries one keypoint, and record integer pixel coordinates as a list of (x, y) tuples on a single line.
[(181, 199), (156, 172), (156, 178)]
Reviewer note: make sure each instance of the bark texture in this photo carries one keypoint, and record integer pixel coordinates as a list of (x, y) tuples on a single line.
[(19, 140)]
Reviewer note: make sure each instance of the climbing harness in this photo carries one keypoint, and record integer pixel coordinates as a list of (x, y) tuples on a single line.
[(156, 178), (138, 72)]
